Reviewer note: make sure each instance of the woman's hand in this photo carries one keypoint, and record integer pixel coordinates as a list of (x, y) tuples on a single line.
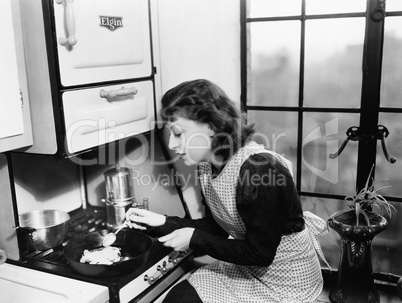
[(179, 239), (143, 217)]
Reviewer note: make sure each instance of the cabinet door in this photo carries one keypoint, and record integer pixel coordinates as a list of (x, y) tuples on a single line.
[(97, 116), (15, 123), (102, 40)]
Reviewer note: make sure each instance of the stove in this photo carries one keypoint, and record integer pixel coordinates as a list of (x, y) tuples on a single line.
[(154, 179), (163, 267)]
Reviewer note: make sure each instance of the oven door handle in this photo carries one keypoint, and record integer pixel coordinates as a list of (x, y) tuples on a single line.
[(123, 91)]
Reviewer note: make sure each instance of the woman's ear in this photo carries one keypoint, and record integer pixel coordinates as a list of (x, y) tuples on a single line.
[(211, 131)]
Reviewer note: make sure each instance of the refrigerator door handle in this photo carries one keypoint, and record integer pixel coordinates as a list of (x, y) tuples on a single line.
[(70, 23)]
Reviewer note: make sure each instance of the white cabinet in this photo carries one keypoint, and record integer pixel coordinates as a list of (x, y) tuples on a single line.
[(79, 50), (102, 40), (15, 122)]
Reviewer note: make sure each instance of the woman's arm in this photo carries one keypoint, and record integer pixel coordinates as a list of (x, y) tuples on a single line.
[(207, 224), (265, 206)]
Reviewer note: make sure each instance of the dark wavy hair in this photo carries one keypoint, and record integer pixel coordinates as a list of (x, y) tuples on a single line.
[(205, 102)]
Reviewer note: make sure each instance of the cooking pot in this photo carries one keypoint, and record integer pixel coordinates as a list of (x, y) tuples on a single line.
[(119, 195), (43, 229), (116, 212), (134, 245), (119, 184)]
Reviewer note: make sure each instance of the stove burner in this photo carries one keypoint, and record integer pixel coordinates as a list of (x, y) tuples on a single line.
[(82, 222)]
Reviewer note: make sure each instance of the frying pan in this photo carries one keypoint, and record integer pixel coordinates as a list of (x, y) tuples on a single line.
[(134, 245)]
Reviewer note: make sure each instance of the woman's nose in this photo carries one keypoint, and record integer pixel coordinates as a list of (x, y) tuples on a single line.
[(173, 142)]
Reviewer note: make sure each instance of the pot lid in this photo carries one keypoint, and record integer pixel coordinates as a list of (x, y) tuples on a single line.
[(117, 171)]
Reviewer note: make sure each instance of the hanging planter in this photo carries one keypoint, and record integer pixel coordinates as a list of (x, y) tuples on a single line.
[(357, 227)]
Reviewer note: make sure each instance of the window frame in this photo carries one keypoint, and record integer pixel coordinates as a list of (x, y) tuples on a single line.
[(369, 109)]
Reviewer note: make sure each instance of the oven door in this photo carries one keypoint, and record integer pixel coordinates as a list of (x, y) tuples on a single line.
[(102, 40), (92, 120), (20, 284)]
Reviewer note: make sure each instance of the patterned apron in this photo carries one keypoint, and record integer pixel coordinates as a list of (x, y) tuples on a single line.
[(295, 273)]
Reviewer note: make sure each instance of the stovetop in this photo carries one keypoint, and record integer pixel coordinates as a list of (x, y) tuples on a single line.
[(84, 221)]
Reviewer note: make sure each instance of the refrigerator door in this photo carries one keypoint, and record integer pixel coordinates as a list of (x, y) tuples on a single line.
[(102, 40), (96, 116)]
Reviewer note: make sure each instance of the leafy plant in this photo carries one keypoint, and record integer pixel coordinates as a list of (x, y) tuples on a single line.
[(369, 198)]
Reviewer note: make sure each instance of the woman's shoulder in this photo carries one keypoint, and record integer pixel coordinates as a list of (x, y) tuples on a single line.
[(261, 158), (263, 161), (263, 155)]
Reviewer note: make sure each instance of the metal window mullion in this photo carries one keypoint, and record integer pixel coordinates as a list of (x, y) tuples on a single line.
[(370, 97), (243, 55), (301, 98)]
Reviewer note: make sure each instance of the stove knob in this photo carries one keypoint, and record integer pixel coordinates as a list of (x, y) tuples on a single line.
[(149, 279), (152, 278), (162, 268)]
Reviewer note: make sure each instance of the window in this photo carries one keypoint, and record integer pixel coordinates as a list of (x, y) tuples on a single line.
[(311, 69)]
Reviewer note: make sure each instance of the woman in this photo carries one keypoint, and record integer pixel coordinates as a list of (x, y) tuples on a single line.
[(254, 223)]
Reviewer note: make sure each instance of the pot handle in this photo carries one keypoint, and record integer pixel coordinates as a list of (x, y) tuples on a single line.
[(27, 228)]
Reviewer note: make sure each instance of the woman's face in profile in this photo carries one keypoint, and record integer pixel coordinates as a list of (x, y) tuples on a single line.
[(190, 140)]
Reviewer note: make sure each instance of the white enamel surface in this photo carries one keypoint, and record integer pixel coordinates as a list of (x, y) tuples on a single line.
[(11, 122), (92, 121), (102, 54), (19, 284)]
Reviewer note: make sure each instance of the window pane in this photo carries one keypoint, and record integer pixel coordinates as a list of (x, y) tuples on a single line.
[(274, 77), (387, 246), (274, 8), (333, 62), (393, 5), (323, 133), (384, 169), (277, 131), (314, 7), (391, 83)]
